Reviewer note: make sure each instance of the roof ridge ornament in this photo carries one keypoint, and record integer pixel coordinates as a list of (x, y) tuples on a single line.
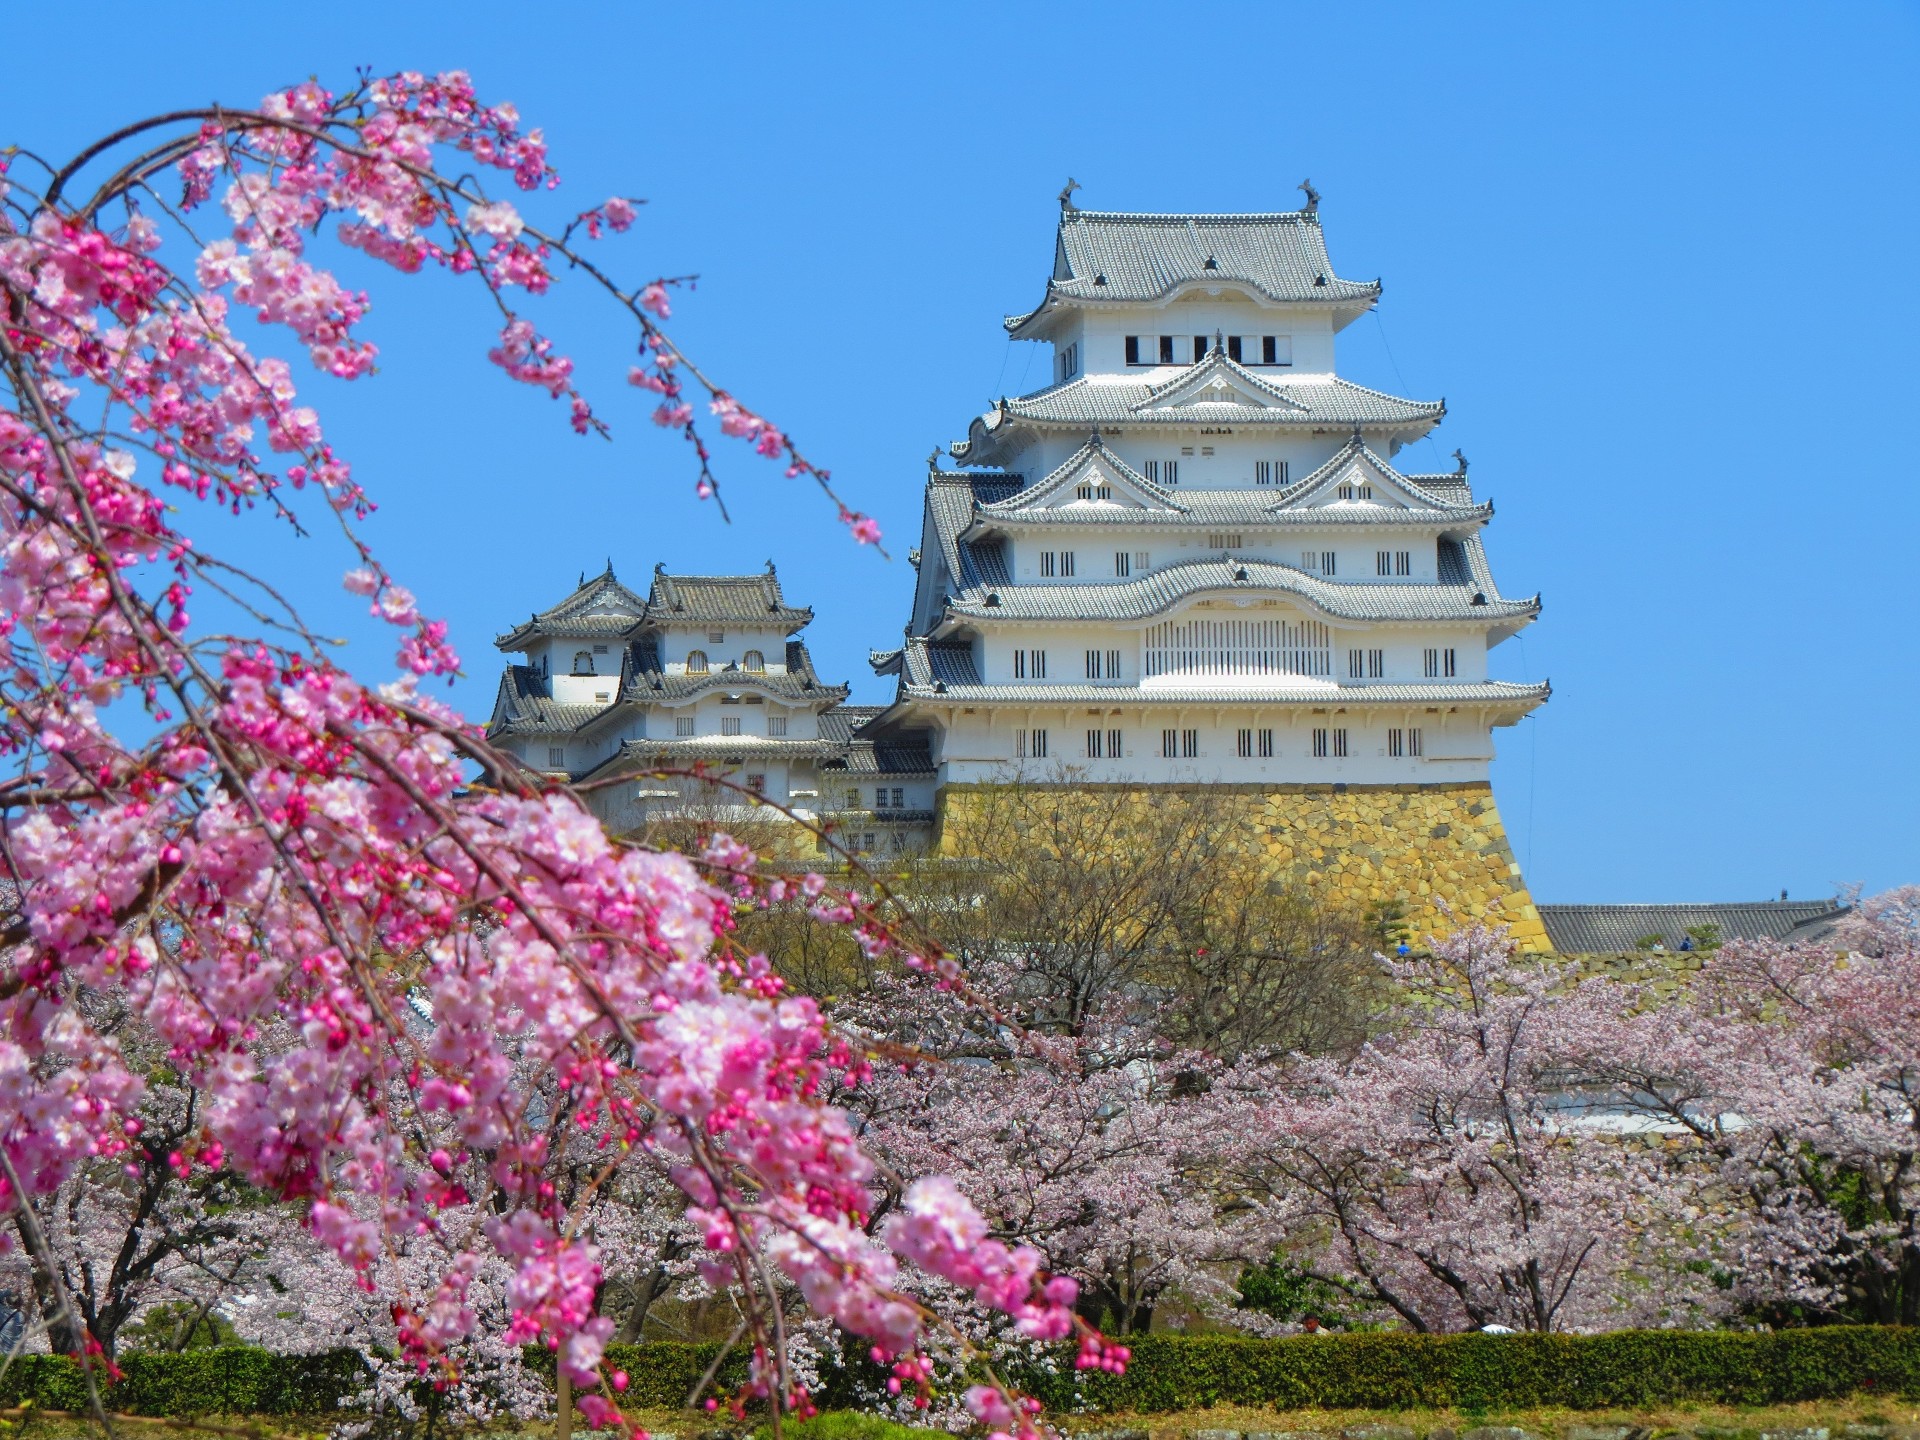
[(1313, 196), (1461, 461), (933, 460), (1067, 206)]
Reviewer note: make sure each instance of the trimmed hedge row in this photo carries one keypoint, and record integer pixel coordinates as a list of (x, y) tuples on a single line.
[(1629, 1369), (230, 1380)]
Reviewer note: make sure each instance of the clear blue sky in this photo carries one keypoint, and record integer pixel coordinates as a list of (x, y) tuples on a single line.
[(1660, 260)]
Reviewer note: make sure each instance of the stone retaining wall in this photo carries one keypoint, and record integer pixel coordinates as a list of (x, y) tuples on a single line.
[(1368, 846)]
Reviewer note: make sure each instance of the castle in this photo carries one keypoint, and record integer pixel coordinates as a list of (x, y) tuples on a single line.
[(1189, 560)]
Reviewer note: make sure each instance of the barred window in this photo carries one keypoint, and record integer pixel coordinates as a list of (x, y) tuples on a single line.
[(1404, 743), (556, 757), (1440, 664), (1122, 564), (683, 726), (1030, 744), (776, 725), (696, 662), (729, 724), (753, 660)]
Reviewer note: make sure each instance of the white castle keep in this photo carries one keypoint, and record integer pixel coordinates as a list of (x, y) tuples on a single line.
[(1189, 559)]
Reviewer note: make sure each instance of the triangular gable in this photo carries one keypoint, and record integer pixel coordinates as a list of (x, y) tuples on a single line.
[(1093, 478), (602, 595), (1217, 380), (1359, 478)]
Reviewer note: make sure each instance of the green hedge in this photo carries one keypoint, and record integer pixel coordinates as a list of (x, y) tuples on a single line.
[(1630, 1369), (231, 1380), (1623, 1370)]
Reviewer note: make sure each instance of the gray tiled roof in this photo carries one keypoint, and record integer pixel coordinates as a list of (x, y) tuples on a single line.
[(1614, 929), (603, 608), (521, 707), (643, 678), (1242, 505), (599, 608), (1329, 402), (951, 499), (725, 747), (870, 754), (1103, 255), (741, 599), (1118, 404), (1152, 594)]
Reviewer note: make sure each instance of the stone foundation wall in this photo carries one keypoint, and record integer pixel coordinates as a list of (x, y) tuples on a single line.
[(1366, 846)]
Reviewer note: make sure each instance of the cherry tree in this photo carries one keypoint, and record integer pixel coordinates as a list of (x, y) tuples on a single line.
[(1786, 1079), (1097, 1148), (219, 828), (1443, 1175)]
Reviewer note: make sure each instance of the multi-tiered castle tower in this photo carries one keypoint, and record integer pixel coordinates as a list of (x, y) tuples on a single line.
[(1190, 559)]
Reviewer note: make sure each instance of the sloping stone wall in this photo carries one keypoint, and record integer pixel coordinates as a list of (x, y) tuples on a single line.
[(1369, 846)]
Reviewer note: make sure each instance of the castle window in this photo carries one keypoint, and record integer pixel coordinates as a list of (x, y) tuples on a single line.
[(1366, 664), (1393, 562), (1440, 664), (1243, 744), (1180, 744), (853, 798), (1029, 664), (1404, 743), (1352, 491), (1096, 744), (1089, 491), (1140, 560), (1233, 347), (1030, 744), (1329, 744), (582, 663), (1223, 540), (753, 660), (1329, 562), (1235, 647), (1276, 350), (1133, 350), (682, 726), (1122, 564), (757, 784), (556, 757), (1269, 472), (1105, 744), (1199, 348), (889, 799), (599, 649), (1163, 472), (729, 724), (716, 637), (1255, 742), (696, 662), (776, 725), (1103, 664), (1166, 349), (1056, 563), (1266, 744)]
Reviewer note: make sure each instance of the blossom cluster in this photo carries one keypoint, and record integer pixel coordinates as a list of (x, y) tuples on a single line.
[(291, 866)]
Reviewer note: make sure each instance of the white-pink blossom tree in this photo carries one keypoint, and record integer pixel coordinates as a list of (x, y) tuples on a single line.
[(273, 839), (1446, 1176), (1785, 1081)]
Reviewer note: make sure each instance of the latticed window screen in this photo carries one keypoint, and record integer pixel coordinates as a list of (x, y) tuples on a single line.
[(1239, 647)]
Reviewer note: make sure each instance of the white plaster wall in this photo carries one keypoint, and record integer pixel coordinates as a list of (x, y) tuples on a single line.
[(1101, 334), (1095, 546), (983, 745), (1066, 644)]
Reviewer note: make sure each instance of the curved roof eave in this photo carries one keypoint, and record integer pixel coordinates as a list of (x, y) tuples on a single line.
[(1284, 579)]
